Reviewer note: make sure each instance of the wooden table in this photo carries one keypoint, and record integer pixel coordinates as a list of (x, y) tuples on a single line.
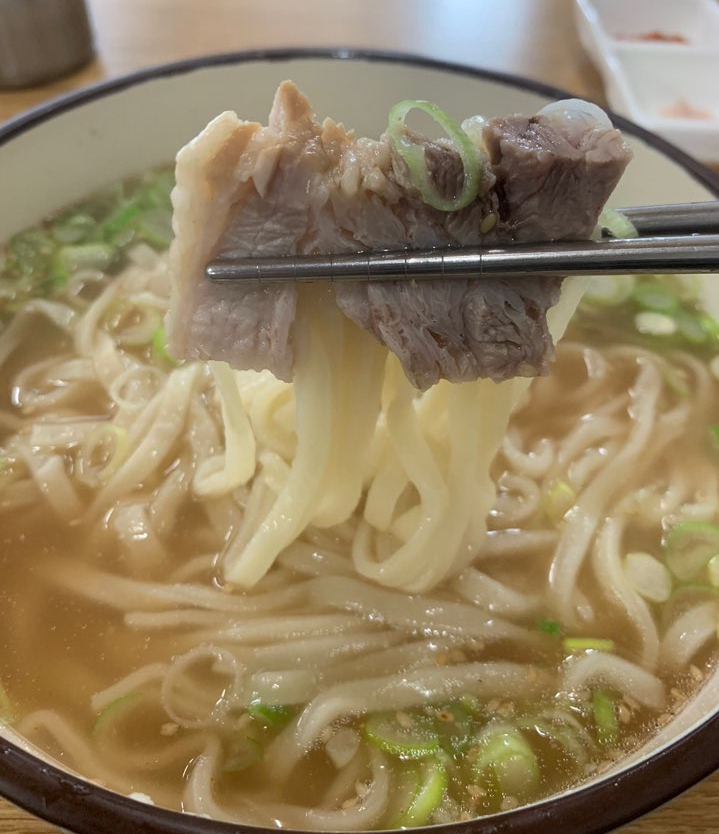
[(535, 38)]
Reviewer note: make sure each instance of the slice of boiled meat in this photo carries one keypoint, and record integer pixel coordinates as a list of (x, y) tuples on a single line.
[(297, 186)]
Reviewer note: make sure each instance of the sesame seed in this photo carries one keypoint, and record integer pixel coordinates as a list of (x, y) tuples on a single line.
[(696, 673), (583, 695), (487, 223), (169, 729), (404, 720), (631, 702), (677, 695), (350, 803), (361, 789)]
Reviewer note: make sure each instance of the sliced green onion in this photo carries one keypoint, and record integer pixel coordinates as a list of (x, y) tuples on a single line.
[(551, 627), (156, 192), (242, 753), (710, 325), (581, 644), (689, 546), (685, 597), (617, 224), (691, 327), (714, 435), (7, 712), (32, 250), (73, 228), (71, 259), (507, 761), (609, 290), (713, 571), (605, 717), (430, 792), (407, 735), (112, 444), (655, 324), (414, 155), (648, 576), (560, 733), (455, 728), (558, 498), (118, 228), (109, 716), (155, 226), (271, 715), (159, 348), (655, 296), (675, 380)]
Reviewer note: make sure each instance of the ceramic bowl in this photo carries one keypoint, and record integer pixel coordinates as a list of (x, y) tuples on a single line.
[(70, 147)]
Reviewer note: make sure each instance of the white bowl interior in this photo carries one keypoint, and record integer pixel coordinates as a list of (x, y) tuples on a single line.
[(55, 161)]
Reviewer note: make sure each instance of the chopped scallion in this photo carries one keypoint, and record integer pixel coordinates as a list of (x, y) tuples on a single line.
[(242, 753), (558, 498), (155, 226), (506, 761), (690, 327), (32, 250), (689, 546), (430, 791), (109, 716), (648, 576), (455, 728), (652, 295), (655, 324), (550, 627), (159, 348), (617, 224), (581, 644), (71, 259), (73, 228), (605, 717), (609, 290), (111, 444), (404, 734), (414, 155), (271, 715), (713, 571), (116, 227)]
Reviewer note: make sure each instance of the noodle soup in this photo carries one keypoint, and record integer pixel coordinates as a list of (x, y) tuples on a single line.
[(319, 699)]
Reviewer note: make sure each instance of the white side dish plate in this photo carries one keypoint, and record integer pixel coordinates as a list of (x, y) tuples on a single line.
[(659, 60)]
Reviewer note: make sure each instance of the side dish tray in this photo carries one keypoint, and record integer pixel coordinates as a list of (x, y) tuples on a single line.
[(659, 60)]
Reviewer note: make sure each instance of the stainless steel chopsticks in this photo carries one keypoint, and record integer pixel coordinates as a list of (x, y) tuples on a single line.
[(679, 240)]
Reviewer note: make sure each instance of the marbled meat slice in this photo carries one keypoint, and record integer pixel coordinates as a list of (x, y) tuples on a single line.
[(297, 186)]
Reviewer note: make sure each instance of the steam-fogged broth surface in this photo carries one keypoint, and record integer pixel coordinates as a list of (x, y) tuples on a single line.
[(320, 698)]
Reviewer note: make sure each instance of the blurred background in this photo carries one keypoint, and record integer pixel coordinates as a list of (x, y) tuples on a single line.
[(654, 61), (532, 37)]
